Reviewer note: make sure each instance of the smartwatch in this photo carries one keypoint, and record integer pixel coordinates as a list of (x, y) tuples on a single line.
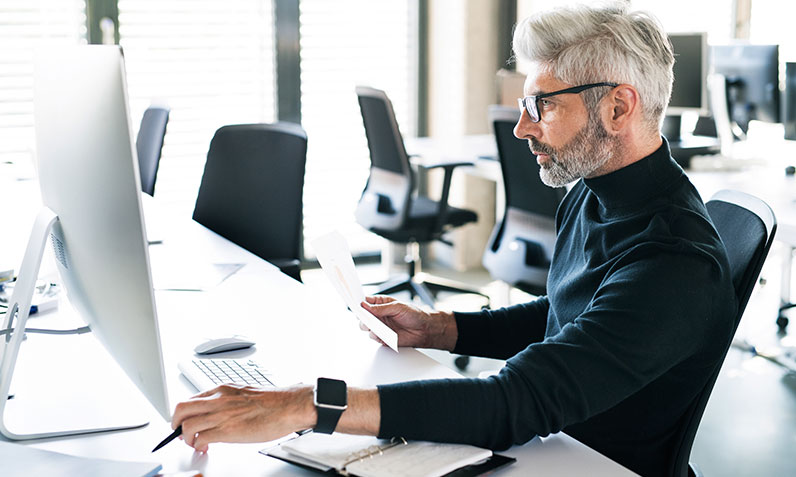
[(331, 399)]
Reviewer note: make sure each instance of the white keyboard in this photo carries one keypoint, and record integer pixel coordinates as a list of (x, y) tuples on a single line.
[(206, 374)]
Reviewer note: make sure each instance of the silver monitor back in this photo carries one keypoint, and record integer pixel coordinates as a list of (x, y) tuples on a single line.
[(88, 173)]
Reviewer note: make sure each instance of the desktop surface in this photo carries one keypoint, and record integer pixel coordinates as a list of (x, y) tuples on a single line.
[(301, 331)]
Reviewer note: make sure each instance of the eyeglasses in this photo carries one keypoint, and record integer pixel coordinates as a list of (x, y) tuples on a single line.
[(531, 103)]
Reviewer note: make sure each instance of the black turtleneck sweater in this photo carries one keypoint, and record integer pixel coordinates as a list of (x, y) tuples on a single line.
[(639, 311)]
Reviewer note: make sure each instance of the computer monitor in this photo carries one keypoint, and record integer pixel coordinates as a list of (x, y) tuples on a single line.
[(689, 91), (89, 179), (789, 101), (752, 78)]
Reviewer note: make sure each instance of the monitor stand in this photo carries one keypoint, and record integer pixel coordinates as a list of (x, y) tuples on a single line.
[(684, 147), (47, 413)]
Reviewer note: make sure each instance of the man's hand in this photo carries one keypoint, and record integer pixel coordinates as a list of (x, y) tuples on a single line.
[(232, 413), (415, 327)]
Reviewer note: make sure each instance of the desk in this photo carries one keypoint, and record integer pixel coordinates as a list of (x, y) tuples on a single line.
[(302, 332)]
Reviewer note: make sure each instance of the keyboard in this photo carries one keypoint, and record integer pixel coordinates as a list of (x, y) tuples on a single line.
[(206, 374)]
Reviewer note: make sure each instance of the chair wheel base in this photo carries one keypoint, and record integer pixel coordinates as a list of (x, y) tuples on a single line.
[(782, 323), (462, 362)]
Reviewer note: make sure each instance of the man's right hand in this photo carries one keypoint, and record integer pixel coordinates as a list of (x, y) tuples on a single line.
[(415, 327)]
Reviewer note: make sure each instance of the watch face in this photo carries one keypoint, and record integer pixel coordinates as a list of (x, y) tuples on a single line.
[(332, 392)]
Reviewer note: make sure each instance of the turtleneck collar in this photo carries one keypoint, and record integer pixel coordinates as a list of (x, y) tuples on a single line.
[(636, 182)]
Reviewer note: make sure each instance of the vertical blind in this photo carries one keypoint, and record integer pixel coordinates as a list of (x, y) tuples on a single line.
[(344, 44), (24, 26), (211, 62)]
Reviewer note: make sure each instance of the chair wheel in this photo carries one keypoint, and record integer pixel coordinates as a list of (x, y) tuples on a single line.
[(782, 322), (462, 362)]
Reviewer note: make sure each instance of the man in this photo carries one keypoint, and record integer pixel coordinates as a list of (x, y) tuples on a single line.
[(640, 302)]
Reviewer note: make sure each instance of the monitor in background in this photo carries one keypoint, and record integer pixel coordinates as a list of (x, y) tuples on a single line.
[(752, 78), (789, 101), (689, 95), (689, 91), (90, 190)]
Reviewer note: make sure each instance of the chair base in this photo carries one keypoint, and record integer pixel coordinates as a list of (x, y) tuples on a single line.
[(425, 287)]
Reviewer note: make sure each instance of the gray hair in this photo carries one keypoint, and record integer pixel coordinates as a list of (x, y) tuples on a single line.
[(583, 44)]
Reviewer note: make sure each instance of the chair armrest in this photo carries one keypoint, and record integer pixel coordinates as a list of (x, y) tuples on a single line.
[(445, 164), (449, 166)]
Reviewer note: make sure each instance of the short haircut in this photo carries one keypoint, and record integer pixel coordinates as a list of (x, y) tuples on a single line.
[(584, 44)]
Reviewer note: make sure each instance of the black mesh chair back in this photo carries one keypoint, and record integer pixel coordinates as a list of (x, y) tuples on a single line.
[(524, 189), (746, 226), (389, 209), (385, 202), (521, 245), (149, 144), (251, 190)]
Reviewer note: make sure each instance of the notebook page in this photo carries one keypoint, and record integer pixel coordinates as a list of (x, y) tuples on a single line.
[(419, 459), (333, 450)]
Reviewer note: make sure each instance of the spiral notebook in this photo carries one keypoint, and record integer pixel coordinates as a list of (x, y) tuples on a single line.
[(364, 456)]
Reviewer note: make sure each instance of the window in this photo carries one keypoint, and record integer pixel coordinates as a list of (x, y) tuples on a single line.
[(771, 22), (211, 62), (345, 44), (24, 26), (712, 16)]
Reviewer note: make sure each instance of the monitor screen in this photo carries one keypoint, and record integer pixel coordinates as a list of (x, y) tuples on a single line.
[(789, 101), (752, 75), (88, 174), (690, 73)]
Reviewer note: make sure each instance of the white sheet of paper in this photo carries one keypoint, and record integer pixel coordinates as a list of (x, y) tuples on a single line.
[(335, 259)]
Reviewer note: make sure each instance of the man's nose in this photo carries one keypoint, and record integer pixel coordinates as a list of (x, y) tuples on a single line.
[(525, 128)]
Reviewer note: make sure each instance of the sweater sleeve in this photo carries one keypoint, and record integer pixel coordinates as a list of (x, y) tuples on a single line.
[(501, 333), (633, 331)]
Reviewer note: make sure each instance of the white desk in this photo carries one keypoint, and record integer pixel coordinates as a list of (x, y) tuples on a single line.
[(301, 332)]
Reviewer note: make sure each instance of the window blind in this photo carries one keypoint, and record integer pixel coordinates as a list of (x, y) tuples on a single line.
[(344, 44), (211, 62), (24, 26)]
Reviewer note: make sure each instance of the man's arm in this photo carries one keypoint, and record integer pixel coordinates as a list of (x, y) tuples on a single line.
[(647, 319), (232, 413), (490, 333)]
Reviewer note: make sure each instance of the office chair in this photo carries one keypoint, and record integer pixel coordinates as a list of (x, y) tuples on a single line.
[(149, 144), (388, 207), (251, 190), (521, 245), (746, 226)]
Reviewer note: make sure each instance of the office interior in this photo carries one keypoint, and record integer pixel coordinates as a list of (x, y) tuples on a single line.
[(442, 63)]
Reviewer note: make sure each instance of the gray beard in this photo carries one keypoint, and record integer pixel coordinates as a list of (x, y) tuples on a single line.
[(589, 150)]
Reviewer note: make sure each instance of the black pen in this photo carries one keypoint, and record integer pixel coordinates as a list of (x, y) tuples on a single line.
[(170, 438)]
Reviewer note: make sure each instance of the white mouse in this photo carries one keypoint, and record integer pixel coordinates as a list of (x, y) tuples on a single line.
[(220, 345)]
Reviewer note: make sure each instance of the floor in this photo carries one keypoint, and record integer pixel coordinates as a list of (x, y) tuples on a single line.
[(749, 426)]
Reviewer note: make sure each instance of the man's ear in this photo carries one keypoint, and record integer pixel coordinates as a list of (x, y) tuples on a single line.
[(624, 105)]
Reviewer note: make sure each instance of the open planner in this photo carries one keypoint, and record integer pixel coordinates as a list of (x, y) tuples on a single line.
[(364, 456)]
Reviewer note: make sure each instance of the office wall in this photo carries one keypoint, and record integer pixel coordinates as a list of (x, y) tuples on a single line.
[(463, 59)]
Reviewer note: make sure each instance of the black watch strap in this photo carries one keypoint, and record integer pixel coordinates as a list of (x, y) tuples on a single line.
[(330, 402)]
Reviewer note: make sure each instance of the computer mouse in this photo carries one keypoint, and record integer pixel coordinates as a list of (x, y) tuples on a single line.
[(220, 345)]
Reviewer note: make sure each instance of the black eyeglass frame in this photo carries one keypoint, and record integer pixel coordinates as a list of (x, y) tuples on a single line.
[(531, 103)]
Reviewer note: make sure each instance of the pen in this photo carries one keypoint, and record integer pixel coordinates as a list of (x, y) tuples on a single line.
[(170, 438)]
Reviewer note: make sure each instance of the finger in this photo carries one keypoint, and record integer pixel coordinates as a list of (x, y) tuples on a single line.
[(196, 406), (204, 439), (386, 309), (198, 424), (379, 299)]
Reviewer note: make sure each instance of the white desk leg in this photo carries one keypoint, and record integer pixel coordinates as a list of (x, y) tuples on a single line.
[(787, 262)]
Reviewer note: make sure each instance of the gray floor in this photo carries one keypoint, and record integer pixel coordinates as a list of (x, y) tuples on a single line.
[(749, 426)]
